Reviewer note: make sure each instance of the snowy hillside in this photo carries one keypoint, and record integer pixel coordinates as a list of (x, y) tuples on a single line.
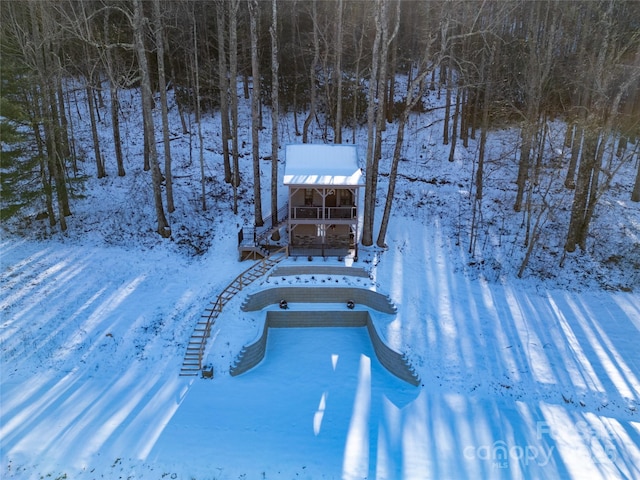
[(532, 377)]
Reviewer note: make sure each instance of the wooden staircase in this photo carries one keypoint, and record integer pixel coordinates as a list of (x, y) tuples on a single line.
[(192, 363), (253, 241)]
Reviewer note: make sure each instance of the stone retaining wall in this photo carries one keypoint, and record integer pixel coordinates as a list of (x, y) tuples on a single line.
[(286, 270), (393, 361), (272, 296)]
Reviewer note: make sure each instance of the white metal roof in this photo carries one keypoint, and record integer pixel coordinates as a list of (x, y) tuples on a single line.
[(319, 164)]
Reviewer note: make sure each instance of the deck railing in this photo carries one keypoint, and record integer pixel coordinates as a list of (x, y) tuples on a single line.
[(320, 213), (255, 236)]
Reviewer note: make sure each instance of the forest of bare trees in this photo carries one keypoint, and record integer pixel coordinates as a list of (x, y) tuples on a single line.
[(334, 65)]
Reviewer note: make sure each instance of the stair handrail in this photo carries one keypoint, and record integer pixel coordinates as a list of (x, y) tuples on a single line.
[(260, 233), (263, 266)]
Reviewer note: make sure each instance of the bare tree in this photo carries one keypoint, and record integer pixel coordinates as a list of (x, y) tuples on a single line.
[(540, 40), (156, 177), (338, 72), (377, 93), (454, 126), (223, 86), (43, 63), (275, 116), (162, 86), (415, 92), (255, 112), (610, 79), (358, 41), (576, 145), (233, 87), (113, 95), (635, 194), (196, 75), (293, 12), (90, 91), (312, 73), (488, 72), (369, 194)]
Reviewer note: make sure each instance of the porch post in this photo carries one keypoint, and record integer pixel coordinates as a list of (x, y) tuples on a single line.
[(355, 238), (289, 233)]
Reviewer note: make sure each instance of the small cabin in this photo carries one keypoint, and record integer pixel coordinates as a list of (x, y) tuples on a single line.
[(323, 183)]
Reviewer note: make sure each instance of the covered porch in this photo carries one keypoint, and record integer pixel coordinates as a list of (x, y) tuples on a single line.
[(326, 240), (324, 183)]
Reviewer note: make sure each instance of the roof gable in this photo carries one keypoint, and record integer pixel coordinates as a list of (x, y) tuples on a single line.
[(319, 164)]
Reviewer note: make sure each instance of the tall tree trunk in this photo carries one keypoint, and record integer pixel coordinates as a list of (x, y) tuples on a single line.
[(338, 71), (146, 164), (414, 94), (223, 85), (487, 71), (464, 117), (45, 177), (371, 167), (584, 184), (275, 117), (65, 149), (162, 86), (114, 101), (386, 39), (605, 106), (576, 145), (447, 107), (94, 130), (479, 181), (115, 125), (454, 127), (255, 112), (294, 28), (527, 135), (42, 34), (163, 227), (312, 74), (391, 81), (233, 86), (177, 90), (196, 81), (635, 194), (540, 42), (356, 81)]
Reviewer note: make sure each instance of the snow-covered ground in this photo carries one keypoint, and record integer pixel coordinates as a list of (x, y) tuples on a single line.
[(533, 377)]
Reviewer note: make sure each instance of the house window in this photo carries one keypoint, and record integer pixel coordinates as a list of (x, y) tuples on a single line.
[(308, 196), (346, 197)]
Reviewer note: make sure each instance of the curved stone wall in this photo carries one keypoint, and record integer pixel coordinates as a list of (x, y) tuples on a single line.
[(393, 361), (272, 296)]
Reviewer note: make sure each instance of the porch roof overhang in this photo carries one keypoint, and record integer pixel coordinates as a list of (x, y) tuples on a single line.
[(315, 165)]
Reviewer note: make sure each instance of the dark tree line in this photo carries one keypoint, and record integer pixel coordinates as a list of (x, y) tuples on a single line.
[(333, 64)]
